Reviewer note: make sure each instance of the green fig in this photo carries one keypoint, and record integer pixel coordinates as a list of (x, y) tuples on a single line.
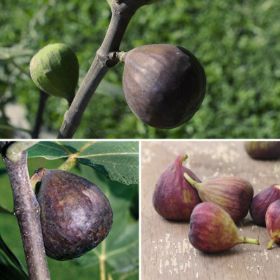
[(75, 215), (55, 70)]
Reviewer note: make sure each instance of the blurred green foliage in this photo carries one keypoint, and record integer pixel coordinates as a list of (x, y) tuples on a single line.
[(236, 41)]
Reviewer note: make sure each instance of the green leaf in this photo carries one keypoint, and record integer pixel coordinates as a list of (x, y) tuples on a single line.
[(50, 150), (117, 160), (10, 267), (5, 211), (120, 159)]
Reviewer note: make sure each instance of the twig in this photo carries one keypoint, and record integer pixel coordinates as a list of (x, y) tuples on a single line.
[(122, 12), (39, 116), (27, 210)]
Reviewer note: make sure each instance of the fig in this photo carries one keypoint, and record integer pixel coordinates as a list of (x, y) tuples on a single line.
[(263, 150), (261, 202), (55, 70), (272, 220), (212, 230), (231, 193), (163, 85), (75, 215), (174, 198)]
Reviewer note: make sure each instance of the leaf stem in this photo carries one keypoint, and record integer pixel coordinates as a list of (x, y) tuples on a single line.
[(102, 260)]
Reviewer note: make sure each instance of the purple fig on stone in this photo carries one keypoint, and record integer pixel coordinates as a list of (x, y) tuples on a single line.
[(272, 220), (212, 230), (174, 198), (261, 202), (231, 193), (263, 150)]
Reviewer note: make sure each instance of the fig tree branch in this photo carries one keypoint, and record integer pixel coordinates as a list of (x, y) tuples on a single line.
[(122, 12), (26, 208), (39, 115)]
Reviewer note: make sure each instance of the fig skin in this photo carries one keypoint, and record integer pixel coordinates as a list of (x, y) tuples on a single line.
[(261, 202), (213, 231), (272, 220), (75, 215), (263, 150), (231, 193), (163, 85), (174, 198)]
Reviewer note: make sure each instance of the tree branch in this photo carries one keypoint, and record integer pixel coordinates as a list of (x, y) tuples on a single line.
[(122, 12), (27, 211), (39, 116)]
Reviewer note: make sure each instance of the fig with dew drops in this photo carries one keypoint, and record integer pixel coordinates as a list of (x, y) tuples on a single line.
[(233, 194), (213, 231), (75, 214), (174, 198), (272, 221), (261, 202), (164, 85)]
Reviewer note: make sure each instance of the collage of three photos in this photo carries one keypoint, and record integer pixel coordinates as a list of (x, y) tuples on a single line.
[(139, 139)]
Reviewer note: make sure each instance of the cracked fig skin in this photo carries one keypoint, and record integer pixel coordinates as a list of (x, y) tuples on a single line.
[(174, 198), (261, 202), (163, 85), (75, 215), (213, 231), (233, 194)]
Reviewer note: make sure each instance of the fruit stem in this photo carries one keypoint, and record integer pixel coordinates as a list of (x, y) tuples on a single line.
[(247, 240), (184, 158), (193, 182), (270, 244)]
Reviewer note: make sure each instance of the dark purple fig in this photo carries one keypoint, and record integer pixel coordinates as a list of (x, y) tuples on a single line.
[(263, 150), (231, 193), (272, 220), (261, 202), (75, 215), (174, 198), (164, 85), (212, 230)]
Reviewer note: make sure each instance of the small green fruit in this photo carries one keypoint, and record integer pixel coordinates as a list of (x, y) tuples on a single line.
[(55, 70)]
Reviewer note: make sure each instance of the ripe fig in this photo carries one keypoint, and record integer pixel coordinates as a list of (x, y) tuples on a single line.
[(75, 215), (164, 85), (261, 202), (263, 150), (212, 230), (174, 198), (231, 193), (55, 70), (272, 220)]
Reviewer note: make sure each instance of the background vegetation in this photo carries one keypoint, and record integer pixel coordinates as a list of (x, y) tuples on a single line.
[(236, 41), (118, 181)]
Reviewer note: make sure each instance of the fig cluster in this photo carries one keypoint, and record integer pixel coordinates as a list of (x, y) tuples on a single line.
[(75, 215), (215, 206)]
